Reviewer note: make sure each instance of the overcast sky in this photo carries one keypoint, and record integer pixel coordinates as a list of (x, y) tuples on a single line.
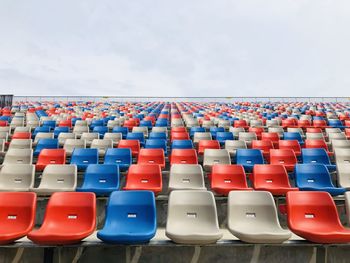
[(175, 48)]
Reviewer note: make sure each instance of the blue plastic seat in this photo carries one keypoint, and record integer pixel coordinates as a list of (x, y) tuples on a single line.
[(136, 136), (95, 123), (293, 136), (196, 129), (40, 129), (123, 130), (315, 177), (101, 130), (182, 144), (101, 179), (223, 136), (45, 144), (147, 124), (317, 156), (157, 144), (336, 124), (249, 157), (83, 157), (215, 130), (130, 218), (58, 130), (51, 124), (157, 135), (120, 156), (161, 123)]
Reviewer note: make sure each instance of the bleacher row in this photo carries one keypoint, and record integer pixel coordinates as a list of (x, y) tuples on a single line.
[(248, 152)]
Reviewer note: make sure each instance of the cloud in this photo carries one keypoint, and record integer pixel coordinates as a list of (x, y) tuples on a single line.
[(175, 48)]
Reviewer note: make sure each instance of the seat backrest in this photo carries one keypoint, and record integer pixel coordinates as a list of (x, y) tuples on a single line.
[(340, 144), (186, 176), (151, 156), (316, 155), (216, 156), (102, 144), (247, 136), (118, 156), (17, 176), (52, 156), (229, 174), (249, 156), (201, 136), (21, 144), (19, 156), (102, 175), (313, 175), (59, 176), (264, 145), (184, 156), (182, 144), (314, 136), (149, 174), (270, 175), (43, 135), (342, 155), (84, 156), (282, 156)]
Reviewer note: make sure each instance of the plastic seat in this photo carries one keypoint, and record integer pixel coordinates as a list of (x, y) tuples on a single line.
[(186, 177), (122, 157), (272, 136), (179, 136), (317, 143), (183, 156), (257, 130), (289, 123), (315, 177), (192, 217), (320, 124), (228, 177), (57, 178), (21, 144), (336, 123), (42, 129), (248, 137), (233, 145), (136, 136), (193, 130), (101, 179), (115, 137), (317, 156), (290, 144), (343, 175), (133, 145), (235, 132), (182, 144), (83, 157), (215, 130), (50, 156), (240, 123), (160, 129), (63, 136), (157, 144), (271, 178), (158, 136), (252, 217), (152, 156), (69, 218), (314, 217), (22, 135), (17, 213), (265, 146), (45, 144), (342, 156), (17, 177), (293, 136), (215, 156), (79, 130), (144, 177), (130, 218), (314, 130), (59, 130), (43, 135), (89, 137), (123, 130), (101, 130), (96, 123), (314, 136), (207, 144), (198, 136), (285, 157), (18, 156), (71, 144), (142, 129), (102, 145), (49, 123), (249, 157)]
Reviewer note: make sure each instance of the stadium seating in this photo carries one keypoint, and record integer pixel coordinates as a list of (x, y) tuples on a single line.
[(157, 144), (121, 157), (17, 177), (224, 136), (133, 145), (248, 158), (182, 144), (18, 156), (186, 177), (183, 156), (317, 156), (207, 144), (83, 157), (290, 144), (50, 156), (265, 146), (152, 156), (293, 136), (285, 157), (215, 156)]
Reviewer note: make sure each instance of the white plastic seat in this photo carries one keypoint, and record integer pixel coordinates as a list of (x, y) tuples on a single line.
[(345, 144), (207, 124), (192, 123), (278, 130), (21, 144), (142, 129), (272, 123), (256, 123), (336, 136), (160, 129), (43, 135), (198, 136), (215, 156), (2, 147), (102, 145), (186, 177), (81, 123), (113, 123), (22, 129), (63, 136), (71, 144), (332, 130), (18, 156), (224, 123), (89, 137), (232, 145), (342, 155), (114, 136), (4, 136), (57, 178), (177, 123), (252, 217), (343, 175), (192, 217), (5, 129), (17, 177), (236, 130), (80, 129), (314, 136), (294, 129)]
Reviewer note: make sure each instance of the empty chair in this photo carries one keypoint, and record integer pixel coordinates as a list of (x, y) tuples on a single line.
[(157, 144), (57, 178), (17, 177), (101, 130), (18, 156), (115, 137), (50, 156), (343, 175), (285, 157), (215, 156), (79, 130), (69, 218), (144, 177), (102, 145), (183, 156), (332, 130), (186, 177), (271, 178), (198, 136), (314, 136), (45, 144), (317, 143), (215, 130), (249, 157), (252, 217), (58, 130), (336, 136), (272, 123), (43, 135), (131, 218), (192, 217), (158, 136), (271, 136), (228, 177), (317, 156), (63, 136), (278, 130), (193, 130), (222, 137), (17, 215), (112, 123), (179, 136), (43, 129), (160, 129), (290, 144), (101, 179), (342, 156), (133, 145), (152, 156), (182, 144), (83, 157), (207, 144), (265, 146), (142, 129), (71, 144), (314, 217), (248, 137), (123, 130), (89, 137), (232, 146), (121, 156), (293, 136), (300, 130), (136, 136), (315, 177), (22, 135), (21, 144)]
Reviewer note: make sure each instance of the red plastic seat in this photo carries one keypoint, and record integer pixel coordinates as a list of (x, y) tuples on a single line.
[(304, 124), (183, 156), (3, 123), (144, 177), (272, 136), (17, 215), (272, 178), (178, 129), (130, 124), (347, 133), (314, 130), (133, 145), (228, 177), (152, 156), (258, 131), (207, 144), (69, 218), (179, 136), (320, 124), (318, 143), (240, 124), (289, 123), (65, 123), (314, 216), (290, 144), (285, 157), (22, 135), (265, 146), (50, 156)]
